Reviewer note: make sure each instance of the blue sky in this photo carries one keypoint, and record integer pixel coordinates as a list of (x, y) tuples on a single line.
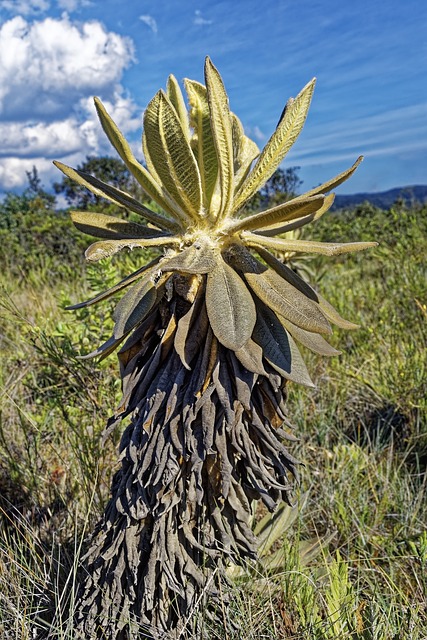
[(370, 60)]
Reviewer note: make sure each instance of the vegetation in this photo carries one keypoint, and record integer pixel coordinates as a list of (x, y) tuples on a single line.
[(363, 438)]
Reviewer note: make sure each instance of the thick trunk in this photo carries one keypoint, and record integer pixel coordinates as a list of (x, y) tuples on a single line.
[(202, 444)]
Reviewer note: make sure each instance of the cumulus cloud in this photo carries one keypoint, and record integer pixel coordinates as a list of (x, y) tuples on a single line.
[(49, 71), (150, 22)]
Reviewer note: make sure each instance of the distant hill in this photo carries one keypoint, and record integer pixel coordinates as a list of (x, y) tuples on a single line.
[(383, 199)]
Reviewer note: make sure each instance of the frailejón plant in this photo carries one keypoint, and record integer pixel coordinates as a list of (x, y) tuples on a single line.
[(210, 330)]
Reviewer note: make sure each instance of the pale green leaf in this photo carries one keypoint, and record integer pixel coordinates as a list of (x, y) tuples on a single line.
[(222, 135), (134, 306), (172, 156), (107, 248), (103, 226), (140, 173), (279, 349), (245, 151), (176, 99), (305, 246), (334, 182), (198, 258), (277, 147), (202, 141), (230, 307), (118, 197), (117, 287), (278, 229), (286, 211)]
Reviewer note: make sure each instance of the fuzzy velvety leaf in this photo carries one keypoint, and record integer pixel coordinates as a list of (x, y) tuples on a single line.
[(306, 246), (250, 356), (333, 315), (283, 298), (334, 182), (198, 258), (231, 309), (278, 229), (245, 151), (277, 147), (191, 329), (140, 173), (222, 134), (288, 274), (312, 341), (102, 226), (118, 197), (176, 99), (134, 306), (117, 287), (202, 141), (278, 347), (107, 248), (290, 210), (172, 157)]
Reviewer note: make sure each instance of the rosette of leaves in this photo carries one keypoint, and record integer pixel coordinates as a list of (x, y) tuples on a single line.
[(208, 335)]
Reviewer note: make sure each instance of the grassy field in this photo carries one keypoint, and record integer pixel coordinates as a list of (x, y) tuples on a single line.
[(351, 560)]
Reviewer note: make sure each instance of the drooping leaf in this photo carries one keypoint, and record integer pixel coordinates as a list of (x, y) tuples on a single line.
[(305, 246), (332, 314), (278, 229), (277, 147), (222, 134), (198, 258), (140, 173), (117, 287), (312, 341), (288, 274), (250, 356), (103, 226), (191, 329), (134, 306), (176, 99), (172, 156), (231, 309), (107, 248), (285, 299), (282, 213), (103, 350), (118, 197), (278, 347), (203, 142)]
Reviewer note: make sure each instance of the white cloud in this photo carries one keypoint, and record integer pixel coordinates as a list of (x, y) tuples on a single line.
[(150, 22), (49, 71), (73, 5), (25, 7), (199, 19)]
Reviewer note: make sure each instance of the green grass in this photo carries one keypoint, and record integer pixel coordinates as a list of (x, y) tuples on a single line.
[(362, 438)]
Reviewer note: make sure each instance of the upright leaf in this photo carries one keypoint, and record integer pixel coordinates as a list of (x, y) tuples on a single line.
[(222, 134), (176, 99), (202, 142), (140, 173), (277, 147)]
